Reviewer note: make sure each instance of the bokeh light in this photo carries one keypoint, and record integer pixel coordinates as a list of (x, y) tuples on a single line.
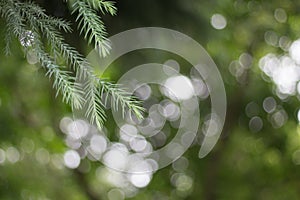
[(71, 159), (269, 104), (280, 15), (179, 88), (218, 21), (12, 154), (2, 156), (255, 124)]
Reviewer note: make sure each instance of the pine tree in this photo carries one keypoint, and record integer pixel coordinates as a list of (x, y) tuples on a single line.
[(36, 30)]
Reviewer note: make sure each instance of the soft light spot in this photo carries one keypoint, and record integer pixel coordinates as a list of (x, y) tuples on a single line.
[(295, 51), (64, 123), (200, 88), (159, 139), (116, 157), (169, 110), (71, 159), (236, 69), (279, 118), (211, 125), (78, 129), (252, 109), (271, 38), (171, 67), (298, 115), (218, 21), (296, 157), (174, 150), (143, 92), (137, 165), (27, 145), (188, 137), (284, 43), (153, 164), (287, 75), (269, 104), (155, 116), (12, 154), (112, 177), (280, 15), (245, 60), (140, 180), (116, 194), (184, 183), (42, 156), (255, 124), (181, 164), (98, 144), (138, 143), (269, 63), (57, 161), (2, 156), (179, 87), (73, 143), (127, 131), (283, 71)]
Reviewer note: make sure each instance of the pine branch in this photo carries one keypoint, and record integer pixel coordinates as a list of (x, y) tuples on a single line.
[(91, 25), (46, 26), (19, 16), (120, 97), (63, 82), (31, 9), (103, 6), (15, 23), (95, 111), (95, 108)]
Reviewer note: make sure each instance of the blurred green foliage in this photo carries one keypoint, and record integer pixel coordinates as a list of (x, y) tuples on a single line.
[(247, 162)]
